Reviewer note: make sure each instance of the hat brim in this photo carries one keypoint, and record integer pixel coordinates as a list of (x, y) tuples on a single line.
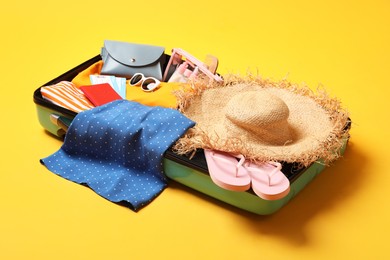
[(316, 124)]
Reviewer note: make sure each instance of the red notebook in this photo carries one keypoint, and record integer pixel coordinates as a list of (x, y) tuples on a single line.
[(100, 94)]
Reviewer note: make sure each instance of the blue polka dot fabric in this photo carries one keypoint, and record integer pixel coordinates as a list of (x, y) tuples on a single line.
[(117, 150)]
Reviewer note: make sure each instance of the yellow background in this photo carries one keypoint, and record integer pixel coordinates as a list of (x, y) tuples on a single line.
[(343, 213)]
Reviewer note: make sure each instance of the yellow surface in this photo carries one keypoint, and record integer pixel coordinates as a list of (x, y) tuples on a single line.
[(342, 214)]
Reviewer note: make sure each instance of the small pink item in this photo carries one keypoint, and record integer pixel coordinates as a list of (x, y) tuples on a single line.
[(182, 68), (268, 181), (226, 171)]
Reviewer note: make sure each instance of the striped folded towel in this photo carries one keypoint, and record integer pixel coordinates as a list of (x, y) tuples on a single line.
[(67, 95)]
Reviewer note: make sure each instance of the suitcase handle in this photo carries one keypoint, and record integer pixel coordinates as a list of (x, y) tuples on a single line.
[(62, 122)]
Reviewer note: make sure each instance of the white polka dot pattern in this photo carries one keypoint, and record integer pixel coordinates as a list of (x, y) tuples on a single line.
[(117, 150)]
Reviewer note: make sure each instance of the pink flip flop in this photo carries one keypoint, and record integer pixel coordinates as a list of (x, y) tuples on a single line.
[(268, 182), (226, 171)]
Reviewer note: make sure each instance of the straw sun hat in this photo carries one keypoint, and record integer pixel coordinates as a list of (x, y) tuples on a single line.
[(263, 120)]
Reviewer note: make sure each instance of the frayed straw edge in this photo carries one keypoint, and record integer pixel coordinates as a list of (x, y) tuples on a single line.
[(196, 138)]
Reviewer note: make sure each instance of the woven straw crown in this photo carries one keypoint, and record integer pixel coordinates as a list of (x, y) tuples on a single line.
[(260, 113)]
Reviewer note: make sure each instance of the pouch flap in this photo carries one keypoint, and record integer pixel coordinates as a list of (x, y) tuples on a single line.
[(132, 54)]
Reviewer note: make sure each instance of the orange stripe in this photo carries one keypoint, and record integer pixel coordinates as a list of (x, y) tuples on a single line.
[(67, 95)]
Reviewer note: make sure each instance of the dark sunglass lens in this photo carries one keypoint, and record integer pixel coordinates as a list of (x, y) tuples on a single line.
[(135, 79)]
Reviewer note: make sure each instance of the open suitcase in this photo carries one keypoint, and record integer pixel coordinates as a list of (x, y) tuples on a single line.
[(189, 172)]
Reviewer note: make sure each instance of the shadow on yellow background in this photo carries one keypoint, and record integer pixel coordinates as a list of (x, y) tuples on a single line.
[(327, 192), (342, 213)]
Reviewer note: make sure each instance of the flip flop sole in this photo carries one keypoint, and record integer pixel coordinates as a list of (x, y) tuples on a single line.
[(224, 173)]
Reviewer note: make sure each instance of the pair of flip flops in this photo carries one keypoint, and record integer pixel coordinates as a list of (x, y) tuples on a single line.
[(233, 172)]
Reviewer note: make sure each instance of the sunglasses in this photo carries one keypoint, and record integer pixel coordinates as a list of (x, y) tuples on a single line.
[(147, 84)]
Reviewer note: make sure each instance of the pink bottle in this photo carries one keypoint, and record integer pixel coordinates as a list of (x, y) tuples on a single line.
[(179, 74)]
